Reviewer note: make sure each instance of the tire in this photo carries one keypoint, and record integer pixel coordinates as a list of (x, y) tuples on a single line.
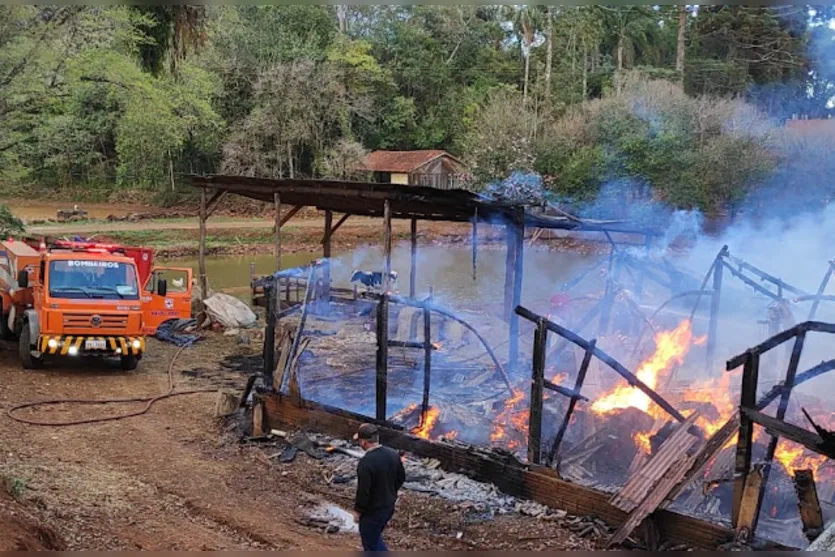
[(128, 363), (26, 358)]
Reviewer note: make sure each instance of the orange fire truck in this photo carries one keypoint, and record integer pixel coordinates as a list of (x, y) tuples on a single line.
[(75, 299)]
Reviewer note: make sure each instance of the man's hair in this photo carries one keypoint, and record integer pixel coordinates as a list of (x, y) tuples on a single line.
[(368, 432)]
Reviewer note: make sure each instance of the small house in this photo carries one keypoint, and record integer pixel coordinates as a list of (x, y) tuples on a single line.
[(433, 168)]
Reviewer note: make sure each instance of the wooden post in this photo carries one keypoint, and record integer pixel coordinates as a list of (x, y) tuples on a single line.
[(413, 268), (382, 355), (713, 324), (742, 466), (277, 201), (788, 385), (475, 242), (540, 343), (326, 253), (201, 253), (516, 300), (509, 268), (427, 359), (578, 385), (749, 506), (271, 299), (258, 419), (387, 245), (808, 503)]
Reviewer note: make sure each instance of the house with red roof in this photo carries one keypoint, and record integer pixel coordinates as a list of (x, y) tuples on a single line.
[(432, 168)]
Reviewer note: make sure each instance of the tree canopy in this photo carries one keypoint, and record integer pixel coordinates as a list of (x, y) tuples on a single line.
[(662, 101)]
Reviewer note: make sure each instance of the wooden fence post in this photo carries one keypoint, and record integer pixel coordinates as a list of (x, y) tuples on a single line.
[(742, 463), (578, 385), (382, 356), (540, 343)]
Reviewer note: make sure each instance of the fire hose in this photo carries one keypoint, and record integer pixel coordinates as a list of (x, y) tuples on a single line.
[(148, 400)]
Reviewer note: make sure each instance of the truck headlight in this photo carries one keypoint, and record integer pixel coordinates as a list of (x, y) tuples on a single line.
[(137, 344), (73, 351), (52, 343)]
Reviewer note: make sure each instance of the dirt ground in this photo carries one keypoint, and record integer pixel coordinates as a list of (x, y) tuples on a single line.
[(177, 478)]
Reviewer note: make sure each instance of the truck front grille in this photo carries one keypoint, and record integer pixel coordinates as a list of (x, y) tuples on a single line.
[(83, 321)]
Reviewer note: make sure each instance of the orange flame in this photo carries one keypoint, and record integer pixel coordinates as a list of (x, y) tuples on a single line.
[(427, 422), (510, 417), (670, 348), (795, 457), (642, 441)]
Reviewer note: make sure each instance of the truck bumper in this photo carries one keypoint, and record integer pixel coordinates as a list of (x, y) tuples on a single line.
[(83, 345)]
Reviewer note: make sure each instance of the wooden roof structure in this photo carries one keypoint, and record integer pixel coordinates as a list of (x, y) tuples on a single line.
[(406, 202), (404, 161)]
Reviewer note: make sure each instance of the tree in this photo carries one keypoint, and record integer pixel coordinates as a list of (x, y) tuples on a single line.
[(300, 111), (682, 27), (527, 21)]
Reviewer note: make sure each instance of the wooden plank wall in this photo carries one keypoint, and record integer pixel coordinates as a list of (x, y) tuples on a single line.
[(537, 483)]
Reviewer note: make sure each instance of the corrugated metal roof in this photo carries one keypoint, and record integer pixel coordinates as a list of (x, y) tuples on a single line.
[(402, 161), (645, 479)]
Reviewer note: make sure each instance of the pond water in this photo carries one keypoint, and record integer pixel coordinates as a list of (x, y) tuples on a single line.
[(448, 271)]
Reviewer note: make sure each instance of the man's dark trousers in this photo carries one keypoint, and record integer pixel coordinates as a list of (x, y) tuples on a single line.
[(371, 529)]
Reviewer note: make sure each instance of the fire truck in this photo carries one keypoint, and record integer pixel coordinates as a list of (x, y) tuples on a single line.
[(78, 299)]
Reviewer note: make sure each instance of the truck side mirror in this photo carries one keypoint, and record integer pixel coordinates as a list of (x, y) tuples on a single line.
[(162, 287), (23, 279)]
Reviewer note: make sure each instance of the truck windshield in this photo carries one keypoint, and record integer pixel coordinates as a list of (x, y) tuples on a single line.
[(79, 278)]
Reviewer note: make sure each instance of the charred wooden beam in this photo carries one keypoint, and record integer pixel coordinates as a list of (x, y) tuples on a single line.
[(788, 385), (540, 342), (759, 288), (382, 357), (765, 276), (780, 338), (773, 426), (533, 482), (413, 257), (582, 324), (518, 239), (749, 505), (745, 442), (326, 254), (578, 386), (568, 393), (387, 246), (821, 289), (605, 358), (808, 503), (713, 323), (269, 333), (409, 344), (302, 320), (427, 359)]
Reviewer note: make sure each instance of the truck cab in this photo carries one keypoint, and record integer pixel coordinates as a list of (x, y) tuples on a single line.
[(83, 303)]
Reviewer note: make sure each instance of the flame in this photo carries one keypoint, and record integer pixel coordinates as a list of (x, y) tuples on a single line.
[(511, 417), (558, 378), (427, 422), (795, 457), (700, 341), (642, 441), (450, 435), (670, 348), (716, 392)]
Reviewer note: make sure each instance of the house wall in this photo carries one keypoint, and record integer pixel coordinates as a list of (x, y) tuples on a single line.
[(399, 178)]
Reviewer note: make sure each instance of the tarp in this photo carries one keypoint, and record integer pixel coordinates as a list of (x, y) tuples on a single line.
[(229, 312)]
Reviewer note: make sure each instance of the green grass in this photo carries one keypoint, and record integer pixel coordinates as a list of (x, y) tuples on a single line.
[(15, 486)]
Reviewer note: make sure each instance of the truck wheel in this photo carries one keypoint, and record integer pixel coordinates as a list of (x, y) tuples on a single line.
[(129, 363), (27, 359)]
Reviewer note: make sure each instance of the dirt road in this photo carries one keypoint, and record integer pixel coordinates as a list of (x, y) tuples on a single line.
[(178, 479)]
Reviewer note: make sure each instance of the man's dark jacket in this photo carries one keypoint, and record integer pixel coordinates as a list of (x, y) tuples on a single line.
[(380, 474)]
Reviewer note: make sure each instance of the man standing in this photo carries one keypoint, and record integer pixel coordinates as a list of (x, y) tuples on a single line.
[(380, 475)]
